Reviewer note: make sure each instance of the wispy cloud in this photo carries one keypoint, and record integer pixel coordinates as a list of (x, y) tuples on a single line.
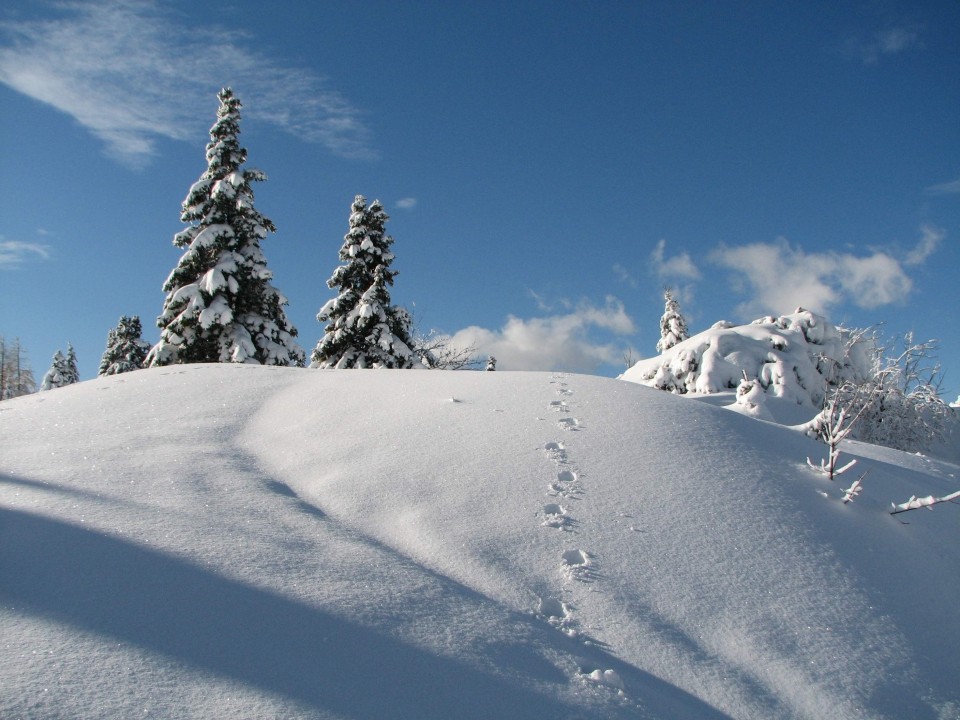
[(556, 342), (930, 239), (624, 276), (780, 277), (947, 188), (132, 72), (679, 267), (892, 41), (406, 203), (13, 253)]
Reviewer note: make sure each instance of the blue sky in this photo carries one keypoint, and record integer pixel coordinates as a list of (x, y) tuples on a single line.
[(548, 167)]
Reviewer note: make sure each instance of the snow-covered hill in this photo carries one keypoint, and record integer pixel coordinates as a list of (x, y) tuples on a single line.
[(230, 541)]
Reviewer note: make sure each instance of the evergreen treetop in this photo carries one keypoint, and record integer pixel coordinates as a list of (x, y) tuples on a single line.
[(220, 304), (364, 330), (58, 375), (70, 363), (126, 350), (673, 326)]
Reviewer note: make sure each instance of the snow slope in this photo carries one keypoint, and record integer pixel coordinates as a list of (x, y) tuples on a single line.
[(239, 541)]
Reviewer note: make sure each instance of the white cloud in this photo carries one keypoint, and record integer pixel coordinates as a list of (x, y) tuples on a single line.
[(930, 239), (891, 41), (624, 276), (679, 266), (407, 203), (781, 277), (948, 188), (14, 252), (557, 342), (129, 73)]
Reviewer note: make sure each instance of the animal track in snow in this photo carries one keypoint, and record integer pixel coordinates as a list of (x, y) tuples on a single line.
[(558, 405), (609, 678), (557, 613), (567, 476), (555, 516), (556, 450), (565, 485), (578, 564), (569, 423)]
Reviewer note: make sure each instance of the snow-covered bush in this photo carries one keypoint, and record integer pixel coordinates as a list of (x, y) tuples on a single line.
[(365, 330), (794, 357), (435, 351), (220, 304), (901, 405)]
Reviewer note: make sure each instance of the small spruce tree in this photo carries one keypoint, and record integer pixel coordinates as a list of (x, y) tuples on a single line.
[(58, 375), (673, 326), (364, 330), (220, 304), (126, 350), (73, 374)]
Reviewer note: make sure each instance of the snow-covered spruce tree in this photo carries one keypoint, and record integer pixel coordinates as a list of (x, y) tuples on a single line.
[(70, 363), (364, 330), (220, 304), (58, 375), (126, 349), (673, 326)]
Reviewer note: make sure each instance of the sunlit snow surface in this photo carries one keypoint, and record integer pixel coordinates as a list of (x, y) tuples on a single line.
[(214, 541)]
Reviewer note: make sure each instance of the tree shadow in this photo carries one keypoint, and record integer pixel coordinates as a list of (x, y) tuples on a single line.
[(113, 588), (116, 589)]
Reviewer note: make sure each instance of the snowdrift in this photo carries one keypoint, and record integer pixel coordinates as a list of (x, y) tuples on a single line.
[(239, 541), (790, 357)]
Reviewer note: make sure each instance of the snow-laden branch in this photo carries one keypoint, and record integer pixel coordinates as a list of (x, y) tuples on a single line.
[(928, 502), (851, 492)]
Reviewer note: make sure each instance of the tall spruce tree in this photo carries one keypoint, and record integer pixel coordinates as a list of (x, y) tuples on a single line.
[(673, 326), (364, 330), (126, 349), (220, 305)]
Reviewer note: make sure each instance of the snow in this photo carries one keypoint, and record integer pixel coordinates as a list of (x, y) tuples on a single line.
[(214, 541), (790, 357)]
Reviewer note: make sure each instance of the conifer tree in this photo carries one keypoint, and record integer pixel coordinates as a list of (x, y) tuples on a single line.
[(70, 363), (126, 350), (220, 304), (58, 375), (673, 326), (364, 330)]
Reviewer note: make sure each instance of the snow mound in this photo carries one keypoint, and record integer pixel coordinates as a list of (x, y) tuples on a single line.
[(790, 358), (218, 541)]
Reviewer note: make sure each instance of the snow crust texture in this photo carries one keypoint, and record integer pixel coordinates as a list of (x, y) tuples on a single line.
[(201, 541)]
